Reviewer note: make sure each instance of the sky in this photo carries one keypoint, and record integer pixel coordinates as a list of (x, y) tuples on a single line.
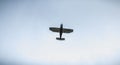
[(25, 37)]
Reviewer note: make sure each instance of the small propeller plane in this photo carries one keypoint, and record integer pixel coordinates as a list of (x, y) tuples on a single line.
[(60, 30)]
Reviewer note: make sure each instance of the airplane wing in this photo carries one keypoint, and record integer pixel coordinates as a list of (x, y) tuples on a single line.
[(67, 30), (54, 29)]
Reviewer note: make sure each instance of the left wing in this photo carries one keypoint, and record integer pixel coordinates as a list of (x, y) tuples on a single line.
[(67, 30), (54, 29)]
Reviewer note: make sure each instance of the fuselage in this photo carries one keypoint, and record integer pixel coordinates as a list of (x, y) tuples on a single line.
[(61, 30)]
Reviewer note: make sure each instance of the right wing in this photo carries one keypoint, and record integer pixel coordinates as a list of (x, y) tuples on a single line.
[(54, 29), (67, 30)]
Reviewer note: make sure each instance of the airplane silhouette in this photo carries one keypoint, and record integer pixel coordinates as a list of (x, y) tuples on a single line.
[(60, 30)]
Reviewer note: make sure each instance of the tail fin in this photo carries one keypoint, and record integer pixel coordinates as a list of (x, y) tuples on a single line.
[(60, 38)]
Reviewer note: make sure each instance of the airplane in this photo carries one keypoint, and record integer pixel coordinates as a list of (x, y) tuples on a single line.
[(60, 30)]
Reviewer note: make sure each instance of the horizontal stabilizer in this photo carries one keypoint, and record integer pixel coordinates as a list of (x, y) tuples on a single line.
[(60, 38)]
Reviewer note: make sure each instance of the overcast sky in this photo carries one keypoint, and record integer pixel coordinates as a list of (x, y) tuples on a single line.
[(25, 36)]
